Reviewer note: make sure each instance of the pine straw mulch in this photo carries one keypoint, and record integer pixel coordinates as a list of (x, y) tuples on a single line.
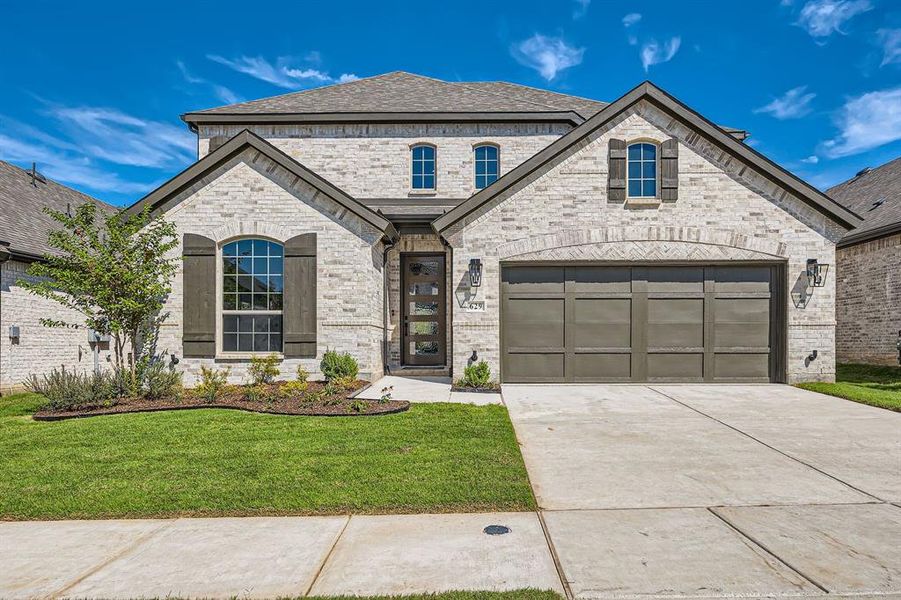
[(271, 399)]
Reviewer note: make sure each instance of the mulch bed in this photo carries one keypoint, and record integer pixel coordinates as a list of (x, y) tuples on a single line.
[(493, 389), (310, 403)]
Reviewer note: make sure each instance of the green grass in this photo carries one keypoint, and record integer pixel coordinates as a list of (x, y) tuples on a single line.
[(869, 384), (433, 458)]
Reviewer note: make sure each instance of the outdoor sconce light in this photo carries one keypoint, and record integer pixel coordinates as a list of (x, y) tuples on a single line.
[(816, 273), (475, 272)]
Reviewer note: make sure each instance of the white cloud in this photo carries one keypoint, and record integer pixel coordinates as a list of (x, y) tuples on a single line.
[(221, 92), (581, 8), (67, 168), (653, 53), (631, 19), (890, 39), (282, 73), (822, 18), (811, 160), (793, 104), (547, 55), (866, 122)]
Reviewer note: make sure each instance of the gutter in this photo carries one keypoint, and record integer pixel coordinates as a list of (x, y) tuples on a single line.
[(854, 238)]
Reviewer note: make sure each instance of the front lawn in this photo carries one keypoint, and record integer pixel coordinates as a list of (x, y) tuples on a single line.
[(869, 384), (433, 458)]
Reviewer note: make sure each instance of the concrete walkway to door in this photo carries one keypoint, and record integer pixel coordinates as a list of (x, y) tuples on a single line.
[(713, 490)]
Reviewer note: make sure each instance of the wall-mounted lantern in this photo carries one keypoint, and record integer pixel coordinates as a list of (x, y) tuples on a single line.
[(475, 272), (816, 273)]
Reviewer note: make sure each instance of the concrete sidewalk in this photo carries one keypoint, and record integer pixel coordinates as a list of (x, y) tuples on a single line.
[(273, 557), (426, 389)]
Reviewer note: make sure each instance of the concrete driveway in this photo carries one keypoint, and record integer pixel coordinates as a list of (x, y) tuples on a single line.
[(712, 490)]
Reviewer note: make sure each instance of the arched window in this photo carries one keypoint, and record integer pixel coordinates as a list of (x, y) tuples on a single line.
[(423, 167), (252, 286), (487, 165), (642, 170)]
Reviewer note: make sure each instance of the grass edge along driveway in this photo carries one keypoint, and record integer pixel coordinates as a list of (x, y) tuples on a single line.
[(875, 385), (433, 458)]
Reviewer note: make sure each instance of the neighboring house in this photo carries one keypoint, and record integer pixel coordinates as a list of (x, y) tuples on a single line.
[(630, 241), (26, 346), (868, 268)]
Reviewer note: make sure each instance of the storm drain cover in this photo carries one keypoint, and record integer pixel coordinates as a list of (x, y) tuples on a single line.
[(496, 530)]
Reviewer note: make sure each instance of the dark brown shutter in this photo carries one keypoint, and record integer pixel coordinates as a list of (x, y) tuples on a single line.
[(199, 285), (669, 170), (299, 325), (616, 170)]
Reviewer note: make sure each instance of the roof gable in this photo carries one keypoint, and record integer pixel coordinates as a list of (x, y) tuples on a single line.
[(564, 146), (157, 198)]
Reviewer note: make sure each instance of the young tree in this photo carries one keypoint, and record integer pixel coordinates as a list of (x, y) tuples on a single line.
[(111, 269)]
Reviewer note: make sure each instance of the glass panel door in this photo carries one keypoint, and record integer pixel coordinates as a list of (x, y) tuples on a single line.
[(423, 305)]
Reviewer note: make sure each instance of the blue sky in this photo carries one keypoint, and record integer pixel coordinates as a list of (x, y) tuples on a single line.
[(92, 91)]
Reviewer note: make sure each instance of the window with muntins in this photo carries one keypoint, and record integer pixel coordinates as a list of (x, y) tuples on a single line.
[(487, 165), (252, 292), (423, 167), (642, 170)]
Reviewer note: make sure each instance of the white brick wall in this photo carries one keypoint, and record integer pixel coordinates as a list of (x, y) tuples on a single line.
[(373, 161), (746, 210), (39, 349), (251, 196)]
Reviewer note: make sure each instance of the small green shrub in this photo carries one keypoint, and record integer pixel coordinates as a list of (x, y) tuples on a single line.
[(302, 374), (211, 382), (477, 375), (263, 369), (125, 383), (65, 390), (161, 382), (293, 389), (336, 365), (344, 383), (255, 393), (358, 406)]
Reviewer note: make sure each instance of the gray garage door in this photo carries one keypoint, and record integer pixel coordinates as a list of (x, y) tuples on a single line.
[(583, 323)]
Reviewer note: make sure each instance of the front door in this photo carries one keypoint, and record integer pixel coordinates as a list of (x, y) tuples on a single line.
[(423, 308)]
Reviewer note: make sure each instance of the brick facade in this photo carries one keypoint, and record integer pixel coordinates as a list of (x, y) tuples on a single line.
[(722, 204), (39, 349), (868, 309)]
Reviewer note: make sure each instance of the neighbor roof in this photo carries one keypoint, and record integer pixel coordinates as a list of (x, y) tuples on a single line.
[(564, 146), (23, 223), (874, 194), (158, 198)]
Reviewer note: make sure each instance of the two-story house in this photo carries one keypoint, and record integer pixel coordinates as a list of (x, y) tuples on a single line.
[(420, 224)]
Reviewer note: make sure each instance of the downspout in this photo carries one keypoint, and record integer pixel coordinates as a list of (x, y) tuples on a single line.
[(385, 250)]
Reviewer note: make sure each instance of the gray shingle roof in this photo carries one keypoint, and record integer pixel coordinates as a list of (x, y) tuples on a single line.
[(396, 92), (23, 223), (874, 195)]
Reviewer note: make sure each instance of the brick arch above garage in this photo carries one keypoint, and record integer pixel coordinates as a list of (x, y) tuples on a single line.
[(643, 243)]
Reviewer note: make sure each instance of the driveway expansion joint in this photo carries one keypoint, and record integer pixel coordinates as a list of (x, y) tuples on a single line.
[(327, 556), (567, 589)]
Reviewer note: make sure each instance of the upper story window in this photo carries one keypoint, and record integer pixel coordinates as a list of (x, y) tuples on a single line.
[(487, 165), (252, 290), (423, 167), (642, 170)]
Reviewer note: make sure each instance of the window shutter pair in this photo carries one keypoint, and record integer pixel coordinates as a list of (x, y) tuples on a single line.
[(616, 170), (199, 284)]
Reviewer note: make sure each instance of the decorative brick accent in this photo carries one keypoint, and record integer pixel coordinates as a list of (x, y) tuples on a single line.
[(868, 310)]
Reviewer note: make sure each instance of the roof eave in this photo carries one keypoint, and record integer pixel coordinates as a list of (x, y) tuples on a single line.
[(197, 118), (650, 92), (237, 144), (854, 238)]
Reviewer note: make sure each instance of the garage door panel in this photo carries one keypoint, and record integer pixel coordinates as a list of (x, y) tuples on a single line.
[(677, 322), (741, 310), (533, 279), (740, 366), (588, 279), (534, 367), (602, 322), (535, 322), (742, 279), (675, 366), (674, 279), (601, 367)]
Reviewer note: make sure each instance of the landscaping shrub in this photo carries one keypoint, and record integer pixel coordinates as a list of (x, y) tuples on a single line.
[(160, 381), (66, 390), (124, 382), (344, 383), (211, 383), (263, 369), (292, 389), (302, 374), (477, 375), (336, 365)]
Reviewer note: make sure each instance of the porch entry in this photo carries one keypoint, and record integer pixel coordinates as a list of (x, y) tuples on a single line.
[(423, 307)]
